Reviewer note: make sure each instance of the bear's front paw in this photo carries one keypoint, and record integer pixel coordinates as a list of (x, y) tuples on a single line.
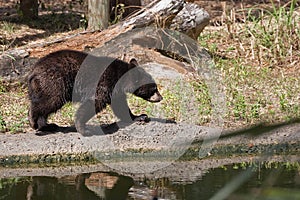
[(142, 118)]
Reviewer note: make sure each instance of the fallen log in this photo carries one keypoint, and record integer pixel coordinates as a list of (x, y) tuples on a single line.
[(191, 20), (169, 14)]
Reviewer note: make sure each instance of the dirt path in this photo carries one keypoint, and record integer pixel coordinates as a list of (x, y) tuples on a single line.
[(146, 140), (55, 154)]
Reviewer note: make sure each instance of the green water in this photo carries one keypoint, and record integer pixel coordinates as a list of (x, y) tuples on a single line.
[(238, 181)]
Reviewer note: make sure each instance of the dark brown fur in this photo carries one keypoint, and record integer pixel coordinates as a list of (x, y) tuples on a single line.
[(51, 85)]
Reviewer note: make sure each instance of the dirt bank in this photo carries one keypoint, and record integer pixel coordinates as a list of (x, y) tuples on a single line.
[(156, 140)]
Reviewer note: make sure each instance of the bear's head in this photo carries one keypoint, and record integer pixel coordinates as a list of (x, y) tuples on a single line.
[(142, 83)]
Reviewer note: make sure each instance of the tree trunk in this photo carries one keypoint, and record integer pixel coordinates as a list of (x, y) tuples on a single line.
[(98, 14), (29, 9)]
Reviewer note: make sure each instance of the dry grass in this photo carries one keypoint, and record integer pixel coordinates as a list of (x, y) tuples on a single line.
[(260, 61)]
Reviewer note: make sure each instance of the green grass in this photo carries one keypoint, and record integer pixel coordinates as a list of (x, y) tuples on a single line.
[(13, 108), (276, 36), (118, 11), (2, 87), (259, 61), (2, 124), (183, 101), (7, 27), (255, 95), (65, 116), (7, 34)]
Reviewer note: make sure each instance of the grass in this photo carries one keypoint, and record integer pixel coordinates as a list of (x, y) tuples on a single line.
[(259, 61), (276, 37), (7, 27), (260, 64), (179, 103), (13, 107)]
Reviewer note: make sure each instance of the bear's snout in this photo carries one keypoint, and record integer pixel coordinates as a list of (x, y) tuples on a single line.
[(156, 97)]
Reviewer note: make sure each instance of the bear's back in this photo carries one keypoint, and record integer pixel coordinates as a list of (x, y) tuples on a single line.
[(67, 60)]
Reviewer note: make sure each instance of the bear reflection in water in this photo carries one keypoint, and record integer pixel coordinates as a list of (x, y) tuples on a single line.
[(98, 185)]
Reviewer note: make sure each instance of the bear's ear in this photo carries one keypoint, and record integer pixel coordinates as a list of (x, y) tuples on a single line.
[(133, 63)]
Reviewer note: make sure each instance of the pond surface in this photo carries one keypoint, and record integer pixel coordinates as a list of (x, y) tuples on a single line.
[(238, 181)]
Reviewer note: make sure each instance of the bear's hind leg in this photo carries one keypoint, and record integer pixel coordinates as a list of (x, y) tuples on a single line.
[(44, 126), (38, 119), (32, 118)]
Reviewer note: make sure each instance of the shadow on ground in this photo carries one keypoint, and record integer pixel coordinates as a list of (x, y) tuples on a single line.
[(104, 129), (258, 129), (48, 23)]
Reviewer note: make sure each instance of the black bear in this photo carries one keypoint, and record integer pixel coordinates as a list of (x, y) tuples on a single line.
[(95, 82)]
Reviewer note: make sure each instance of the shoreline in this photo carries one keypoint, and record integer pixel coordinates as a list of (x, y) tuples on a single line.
[(149, 141)]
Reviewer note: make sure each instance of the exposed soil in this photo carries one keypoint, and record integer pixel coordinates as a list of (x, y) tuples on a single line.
[(156, 140)]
